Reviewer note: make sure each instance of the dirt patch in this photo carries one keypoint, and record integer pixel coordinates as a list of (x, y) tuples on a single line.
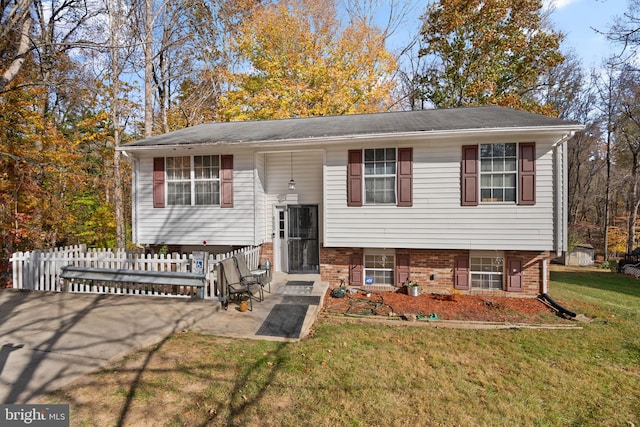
[(442, 307)]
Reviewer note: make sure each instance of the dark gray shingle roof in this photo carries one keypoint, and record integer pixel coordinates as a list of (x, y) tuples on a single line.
[(468, 118)]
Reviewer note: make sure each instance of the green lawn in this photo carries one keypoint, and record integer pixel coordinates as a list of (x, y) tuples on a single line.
[(373, 375)]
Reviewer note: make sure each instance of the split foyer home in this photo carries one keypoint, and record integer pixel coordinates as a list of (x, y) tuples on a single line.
[(468, 199)]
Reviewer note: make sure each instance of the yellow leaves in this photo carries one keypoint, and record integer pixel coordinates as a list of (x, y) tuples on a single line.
[(300, 63), (617, 239), (487, 51)]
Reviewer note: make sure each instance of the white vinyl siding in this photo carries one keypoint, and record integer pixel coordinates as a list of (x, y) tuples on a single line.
[(192, 224), (437, 220)]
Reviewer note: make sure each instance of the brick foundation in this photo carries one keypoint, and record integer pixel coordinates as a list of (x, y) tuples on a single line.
[(433, 269), (266, 252)]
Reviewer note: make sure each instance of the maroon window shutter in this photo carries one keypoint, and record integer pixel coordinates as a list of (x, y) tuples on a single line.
[(226, 181), (470, 179), (461, 273), (514, 275), (356, 270), (354, 178), (405, 176), (158, 182), (527, 173), (402, 269)]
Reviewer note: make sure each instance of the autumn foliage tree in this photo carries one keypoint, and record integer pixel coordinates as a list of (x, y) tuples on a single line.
[(299, 61), (487, 52)]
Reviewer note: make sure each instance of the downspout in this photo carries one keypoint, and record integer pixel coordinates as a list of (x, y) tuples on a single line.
[(565, 193), (562, 198), (545, 282), (135, 164)]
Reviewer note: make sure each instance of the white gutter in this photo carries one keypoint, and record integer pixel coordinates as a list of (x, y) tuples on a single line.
[(547, 130)]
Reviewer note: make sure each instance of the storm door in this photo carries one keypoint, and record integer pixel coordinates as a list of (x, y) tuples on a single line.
[(303, 244)]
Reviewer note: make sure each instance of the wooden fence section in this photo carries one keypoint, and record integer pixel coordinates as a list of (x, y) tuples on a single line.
[(40, 270)]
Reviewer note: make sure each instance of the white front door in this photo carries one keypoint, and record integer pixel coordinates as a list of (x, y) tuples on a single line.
[(281, 239)]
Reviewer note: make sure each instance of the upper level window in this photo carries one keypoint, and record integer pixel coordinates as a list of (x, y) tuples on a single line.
[(193, 180), (498, 172), (380, 175)]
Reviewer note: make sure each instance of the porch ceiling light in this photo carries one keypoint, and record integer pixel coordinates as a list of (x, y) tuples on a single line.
[(292, 182)]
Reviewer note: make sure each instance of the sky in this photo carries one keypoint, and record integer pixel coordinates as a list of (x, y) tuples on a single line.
[(578, 19)]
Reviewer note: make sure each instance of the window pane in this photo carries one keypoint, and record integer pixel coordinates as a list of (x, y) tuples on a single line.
[(369, 155), (510, 165), (391, 168), (510, 195), (510, 150), (369, 168), (391, 154), (206, 167), (179, 193), (207, 193), (178, 168)]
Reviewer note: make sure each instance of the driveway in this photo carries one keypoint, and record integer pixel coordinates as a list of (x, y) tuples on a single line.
[(48, 339)]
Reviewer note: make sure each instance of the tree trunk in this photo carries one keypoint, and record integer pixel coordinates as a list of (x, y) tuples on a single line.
[(633, 206), (148, 68), (115, 119), (23, 48)]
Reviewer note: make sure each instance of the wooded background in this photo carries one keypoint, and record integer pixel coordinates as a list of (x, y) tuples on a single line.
[(79, 78)]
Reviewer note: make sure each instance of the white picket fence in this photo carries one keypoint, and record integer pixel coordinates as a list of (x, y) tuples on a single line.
[(40, 270)]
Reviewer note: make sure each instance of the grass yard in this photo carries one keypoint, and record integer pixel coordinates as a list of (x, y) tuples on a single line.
[(373, 375)]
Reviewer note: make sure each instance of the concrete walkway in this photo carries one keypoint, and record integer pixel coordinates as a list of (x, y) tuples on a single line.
[(49, 339)]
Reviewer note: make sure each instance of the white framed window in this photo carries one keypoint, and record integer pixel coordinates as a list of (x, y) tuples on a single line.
[(178, 180), (380, 175), (379, 267), (193, 180), (487, 270), (498, 172)]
